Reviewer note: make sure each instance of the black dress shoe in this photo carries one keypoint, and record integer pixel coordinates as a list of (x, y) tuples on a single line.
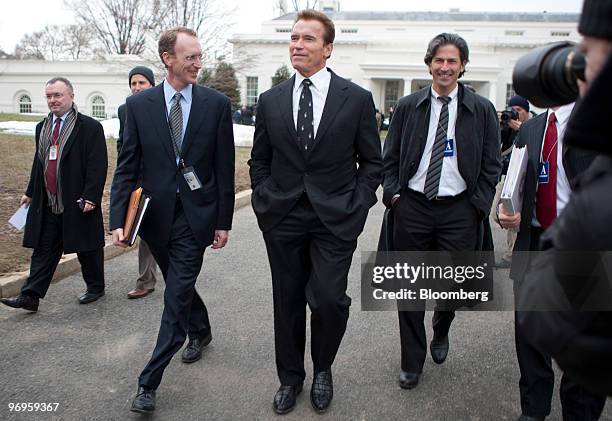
[(439, 349), (194, 348), (408, 380), (322, 391), (90, 297), (144, 402), (22, 301), (528, 418), (284, 400)]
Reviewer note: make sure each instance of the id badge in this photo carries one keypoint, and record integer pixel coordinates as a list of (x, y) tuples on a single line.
[(191, 178), (449, 148), (53, 153), (543, 172)]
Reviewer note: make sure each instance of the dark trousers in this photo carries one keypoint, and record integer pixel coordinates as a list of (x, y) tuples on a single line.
[(538, 379), (309, 265), (47, 255), (419, 225), (184, 311)]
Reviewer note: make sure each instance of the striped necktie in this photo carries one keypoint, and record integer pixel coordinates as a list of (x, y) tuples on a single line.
[(432, 180), (176, 120)]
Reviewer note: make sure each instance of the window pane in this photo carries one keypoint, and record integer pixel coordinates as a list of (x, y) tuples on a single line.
[(98, 107), (25, 104), (251, 90), (391, 94)]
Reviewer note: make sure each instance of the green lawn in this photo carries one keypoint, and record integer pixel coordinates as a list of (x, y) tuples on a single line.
[(19, 117)]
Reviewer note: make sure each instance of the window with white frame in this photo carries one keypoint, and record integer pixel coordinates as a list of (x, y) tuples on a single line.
[(391, 93), (98, 107), (25, 104), (251, 90)]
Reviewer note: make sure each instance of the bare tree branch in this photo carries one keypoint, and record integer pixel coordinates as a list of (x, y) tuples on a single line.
[(121, 26)]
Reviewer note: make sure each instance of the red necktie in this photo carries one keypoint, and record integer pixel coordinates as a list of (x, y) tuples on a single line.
[(51, 175), (546, 201)]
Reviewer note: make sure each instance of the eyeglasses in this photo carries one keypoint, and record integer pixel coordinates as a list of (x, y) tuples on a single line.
[(194, 58)]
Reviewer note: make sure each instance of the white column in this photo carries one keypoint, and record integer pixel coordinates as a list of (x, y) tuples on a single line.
[(407, 86), (493, 92), (367, 83)]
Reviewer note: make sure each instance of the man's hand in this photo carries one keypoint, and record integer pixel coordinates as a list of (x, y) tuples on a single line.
[(515, 124), (508, 221), (220, 240), (89, 206), (25, 200), (118, 238)]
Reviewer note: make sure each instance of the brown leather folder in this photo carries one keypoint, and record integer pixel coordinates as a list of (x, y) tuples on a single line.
[(132, 212)]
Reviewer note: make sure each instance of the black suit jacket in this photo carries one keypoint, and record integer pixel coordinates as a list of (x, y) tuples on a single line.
[(83, 167), (121, 116), (575, 162), (476, 137), (340, 173), (208, 147)]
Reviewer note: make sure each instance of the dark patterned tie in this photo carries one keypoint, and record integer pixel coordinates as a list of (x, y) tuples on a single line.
[(432, 181), (176, 120), (51, 174), (305, 122)]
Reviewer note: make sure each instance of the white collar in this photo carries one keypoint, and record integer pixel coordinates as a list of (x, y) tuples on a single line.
[(452, 94), (169, 92), (319, 80), (563, 113)]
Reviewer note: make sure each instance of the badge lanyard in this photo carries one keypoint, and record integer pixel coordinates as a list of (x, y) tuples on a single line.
[(53, 146), (448, 140), (188, 171), (544, 163)]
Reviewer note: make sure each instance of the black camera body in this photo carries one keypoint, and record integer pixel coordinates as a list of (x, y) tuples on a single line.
[(507, 115)]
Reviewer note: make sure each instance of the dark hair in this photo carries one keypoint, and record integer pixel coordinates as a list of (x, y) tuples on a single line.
[(445, 39), (167, 40), (63, 80), (330, 31)]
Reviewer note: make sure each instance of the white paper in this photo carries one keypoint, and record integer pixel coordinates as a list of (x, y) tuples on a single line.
[(18, 220), (512, 191)]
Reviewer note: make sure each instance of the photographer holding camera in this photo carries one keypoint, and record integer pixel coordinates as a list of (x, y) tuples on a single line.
[(579, 341), (510, 121)]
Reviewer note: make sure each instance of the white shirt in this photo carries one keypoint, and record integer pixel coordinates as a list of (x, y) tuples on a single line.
[(451, 181), (563, 186), (319, 88)]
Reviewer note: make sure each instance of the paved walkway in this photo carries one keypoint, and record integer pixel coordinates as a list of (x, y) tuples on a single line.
[(87, 358)]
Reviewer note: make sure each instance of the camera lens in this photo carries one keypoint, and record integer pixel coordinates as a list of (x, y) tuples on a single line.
[(547, 76)]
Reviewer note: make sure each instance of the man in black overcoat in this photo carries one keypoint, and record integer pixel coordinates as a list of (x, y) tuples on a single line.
[(64, 197)]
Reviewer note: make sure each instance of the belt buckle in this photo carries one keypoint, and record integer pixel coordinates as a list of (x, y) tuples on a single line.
[(438, 198)]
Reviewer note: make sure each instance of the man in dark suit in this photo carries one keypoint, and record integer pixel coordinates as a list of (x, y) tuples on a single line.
[(64, 197), (552, 169), (315, 167), (179, 143), (442, 161), (139, 79)]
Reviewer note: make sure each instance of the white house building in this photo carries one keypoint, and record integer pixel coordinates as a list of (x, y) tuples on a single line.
[(383, 51), (99, 86)]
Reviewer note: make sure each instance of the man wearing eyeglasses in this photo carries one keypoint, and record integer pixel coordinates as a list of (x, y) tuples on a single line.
[(181, 134)]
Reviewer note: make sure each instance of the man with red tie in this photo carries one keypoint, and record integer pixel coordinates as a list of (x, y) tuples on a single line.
[(64, 196), (551, 169)]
